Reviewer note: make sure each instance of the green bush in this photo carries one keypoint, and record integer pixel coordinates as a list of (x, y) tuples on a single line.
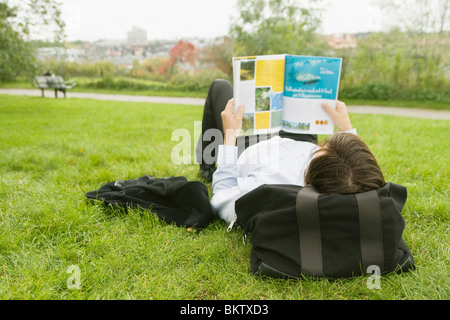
[(186, 82), (197, 81), (377, 91), (397, 65), (103, 69), (385, 91), (123, 83)]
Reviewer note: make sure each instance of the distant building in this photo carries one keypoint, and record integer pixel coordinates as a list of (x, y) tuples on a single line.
[(58, 53), (137, 35), (343, 41)]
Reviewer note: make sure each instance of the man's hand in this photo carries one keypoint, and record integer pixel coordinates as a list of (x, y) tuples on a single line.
[(340, 116), (232, 123)]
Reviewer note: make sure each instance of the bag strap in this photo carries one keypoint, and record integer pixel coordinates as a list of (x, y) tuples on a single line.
[(370, 227), (370, 230), (309, 232)]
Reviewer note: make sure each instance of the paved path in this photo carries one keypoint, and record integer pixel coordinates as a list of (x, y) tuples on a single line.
[(405, 112)]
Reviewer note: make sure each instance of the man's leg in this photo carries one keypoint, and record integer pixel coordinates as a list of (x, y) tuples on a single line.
[(219, 93), (299, 137)]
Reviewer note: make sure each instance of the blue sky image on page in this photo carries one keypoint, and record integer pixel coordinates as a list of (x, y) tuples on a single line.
[(312, 77)]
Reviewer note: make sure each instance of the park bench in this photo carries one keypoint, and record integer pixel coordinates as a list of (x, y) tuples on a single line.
[(53, 82)]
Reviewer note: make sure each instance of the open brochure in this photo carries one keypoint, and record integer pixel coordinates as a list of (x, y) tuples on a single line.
[(285, 92)]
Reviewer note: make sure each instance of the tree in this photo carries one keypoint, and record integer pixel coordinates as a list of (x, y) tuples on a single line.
[(397, 65), (422, 39), (183, 52), (418, 16), (17, 23), (220, 54), (14, 52), (276, 26)]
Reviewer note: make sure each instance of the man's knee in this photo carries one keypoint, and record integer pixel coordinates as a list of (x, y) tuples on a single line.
[(219, 85)]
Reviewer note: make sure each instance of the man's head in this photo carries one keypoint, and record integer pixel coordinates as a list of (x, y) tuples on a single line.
[(344, 164)]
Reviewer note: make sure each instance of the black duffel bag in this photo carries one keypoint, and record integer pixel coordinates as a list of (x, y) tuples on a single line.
[(296, 231)]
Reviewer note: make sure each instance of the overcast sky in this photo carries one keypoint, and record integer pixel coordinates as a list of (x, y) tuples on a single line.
[(175, 19)]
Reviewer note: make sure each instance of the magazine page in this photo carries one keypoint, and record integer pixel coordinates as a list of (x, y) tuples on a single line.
[(258, 85), (309, 82)]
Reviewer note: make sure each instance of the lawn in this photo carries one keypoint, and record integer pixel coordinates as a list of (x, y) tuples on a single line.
[(54, 151)]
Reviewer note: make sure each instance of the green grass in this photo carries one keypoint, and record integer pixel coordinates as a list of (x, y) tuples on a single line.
[(54, 151)]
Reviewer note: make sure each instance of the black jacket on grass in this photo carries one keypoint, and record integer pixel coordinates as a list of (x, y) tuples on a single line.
[(173, 199)]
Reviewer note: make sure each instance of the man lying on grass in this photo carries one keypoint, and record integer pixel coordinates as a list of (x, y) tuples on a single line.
[(342, 164)]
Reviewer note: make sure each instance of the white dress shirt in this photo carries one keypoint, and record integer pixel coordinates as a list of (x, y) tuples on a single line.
[(274, 161)]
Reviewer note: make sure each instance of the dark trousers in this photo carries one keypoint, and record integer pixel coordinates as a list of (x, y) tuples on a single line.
[(219, 93)]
